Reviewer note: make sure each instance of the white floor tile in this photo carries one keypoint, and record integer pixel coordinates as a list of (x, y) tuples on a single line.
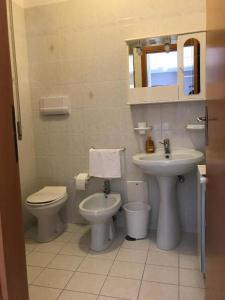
[(106, 254), (153, 247), (137, 245), (124, 262), (32, 273), (189, 261), (51, 247), (42, 293), (86, 283), (162, 258), (66, 262), (127, 270), (75, 249), (81, 237), (108, 298), (64, 237), (188, 293), (68, 295), (192, 278), (121, 288), (77, 228), (53, 278), (188, 244), (130, 255), (96, 266), (38, 259), (158, 291), (30, 246), (72, 227), (161, 274)]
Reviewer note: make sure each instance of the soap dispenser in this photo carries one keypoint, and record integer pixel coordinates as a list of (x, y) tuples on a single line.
[(149, 145)]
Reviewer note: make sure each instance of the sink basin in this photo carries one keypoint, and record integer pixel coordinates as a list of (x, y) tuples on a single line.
[(179, 162), (166, 168)]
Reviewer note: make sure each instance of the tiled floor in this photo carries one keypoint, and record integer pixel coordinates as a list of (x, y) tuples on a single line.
[(66, 269)]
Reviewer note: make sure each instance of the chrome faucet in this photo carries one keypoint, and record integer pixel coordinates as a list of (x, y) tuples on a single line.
[(166, 144), (107, 188)]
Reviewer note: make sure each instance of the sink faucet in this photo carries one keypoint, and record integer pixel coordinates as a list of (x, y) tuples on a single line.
[(166, 144), (107, 188)]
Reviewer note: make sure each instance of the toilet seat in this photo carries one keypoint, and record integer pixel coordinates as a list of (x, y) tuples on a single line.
[(47, 195)]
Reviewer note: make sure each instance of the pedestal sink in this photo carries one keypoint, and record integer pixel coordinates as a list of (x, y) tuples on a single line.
[(166, 168)]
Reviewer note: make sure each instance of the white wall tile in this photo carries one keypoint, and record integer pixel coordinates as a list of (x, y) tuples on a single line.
[(79, 50), (26, 146)]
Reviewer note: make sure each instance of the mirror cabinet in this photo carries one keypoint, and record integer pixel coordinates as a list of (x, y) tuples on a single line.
[(167, 68)]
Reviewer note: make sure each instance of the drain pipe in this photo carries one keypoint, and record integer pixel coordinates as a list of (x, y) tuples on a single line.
[(180, 179)]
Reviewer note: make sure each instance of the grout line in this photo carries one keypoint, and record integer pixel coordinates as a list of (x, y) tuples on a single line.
[(44, 268), (99, 294), (161, 282), (141, 280), (112, 297), (83, 257), (164, 266), (73, 273), (48, 287), (90, 273), (35, 276)]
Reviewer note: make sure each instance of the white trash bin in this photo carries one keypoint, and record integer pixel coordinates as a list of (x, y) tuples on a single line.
[(137, 218)]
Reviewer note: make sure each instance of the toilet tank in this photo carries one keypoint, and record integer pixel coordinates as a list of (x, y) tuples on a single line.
[(137, 191)]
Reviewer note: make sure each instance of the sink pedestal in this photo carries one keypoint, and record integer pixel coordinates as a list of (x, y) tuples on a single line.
[(166, 170), (168, 232)]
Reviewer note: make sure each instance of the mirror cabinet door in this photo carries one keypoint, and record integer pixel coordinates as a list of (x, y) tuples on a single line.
[(191, 67), (191, 59), (153, 66)]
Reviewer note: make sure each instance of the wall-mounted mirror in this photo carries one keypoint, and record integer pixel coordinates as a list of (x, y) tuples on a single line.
[(153, 62), (167, 68), (191, 67)]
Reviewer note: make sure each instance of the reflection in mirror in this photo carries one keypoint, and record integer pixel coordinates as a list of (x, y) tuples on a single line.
[(153, 62), (191, 67)]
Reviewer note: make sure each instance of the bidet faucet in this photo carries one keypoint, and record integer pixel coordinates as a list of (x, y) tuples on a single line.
[(107, 188), (166, 144)]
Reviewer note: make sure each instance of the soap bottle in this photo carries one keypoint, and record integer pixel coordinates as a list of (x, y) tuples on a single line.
[(149, 145)]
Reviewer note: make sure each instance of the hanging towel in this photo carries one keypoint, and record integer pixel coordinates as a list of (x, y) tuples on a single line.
[(105, 163)]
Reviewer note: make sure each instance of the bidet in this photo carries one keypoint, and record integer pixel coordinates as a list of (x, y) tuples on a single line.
[(98, 209)]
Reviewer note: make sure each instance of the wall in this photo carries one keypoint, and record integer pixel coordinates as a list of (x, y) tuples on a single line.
[(27, 157), (77, 48)]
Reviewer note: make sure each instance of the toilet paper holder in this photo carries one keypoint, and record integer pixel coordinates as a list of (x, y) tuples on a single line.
[(81, 181)]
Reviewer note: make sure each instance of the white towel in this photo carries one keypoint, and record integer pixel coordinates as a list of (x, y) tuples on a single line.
[(105, 163)]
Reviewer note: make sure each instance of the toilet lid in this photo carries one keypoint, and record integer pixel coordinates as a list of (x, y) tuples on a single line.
[(47, 194)]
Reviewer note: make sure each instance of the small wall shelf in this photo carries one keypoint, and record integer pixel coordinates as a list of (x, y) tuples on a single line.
[(197, 127), (142, 130)]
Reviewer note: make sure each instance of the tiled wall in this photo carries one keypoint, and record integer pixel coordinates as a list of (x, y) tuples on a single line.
[(26, 149), (77, 48)]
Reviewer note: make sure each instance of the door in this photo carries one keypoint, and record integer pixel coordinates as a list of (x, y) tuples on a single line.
[(215, 194), (13, 278)]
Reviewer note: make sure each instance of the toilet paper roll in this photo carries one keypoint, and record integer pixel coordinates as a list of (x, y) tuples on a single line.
[(81, 181)]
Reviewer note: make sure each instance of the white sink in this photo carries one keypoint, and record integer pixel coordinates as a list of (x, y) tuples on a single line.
[(179, 162), (166, 168)]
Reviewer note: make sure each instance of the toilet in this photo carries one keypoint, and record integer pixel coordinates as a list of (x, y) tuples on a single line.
[(45, 206), (98, 209)]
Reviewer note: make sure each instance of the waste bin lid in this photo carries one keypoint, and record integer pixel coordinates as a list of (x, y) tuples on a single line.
[(136, 206)]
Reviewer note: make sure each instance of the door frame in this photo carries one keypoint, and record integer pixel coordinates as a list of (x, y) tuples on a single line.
[(13, 276)]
